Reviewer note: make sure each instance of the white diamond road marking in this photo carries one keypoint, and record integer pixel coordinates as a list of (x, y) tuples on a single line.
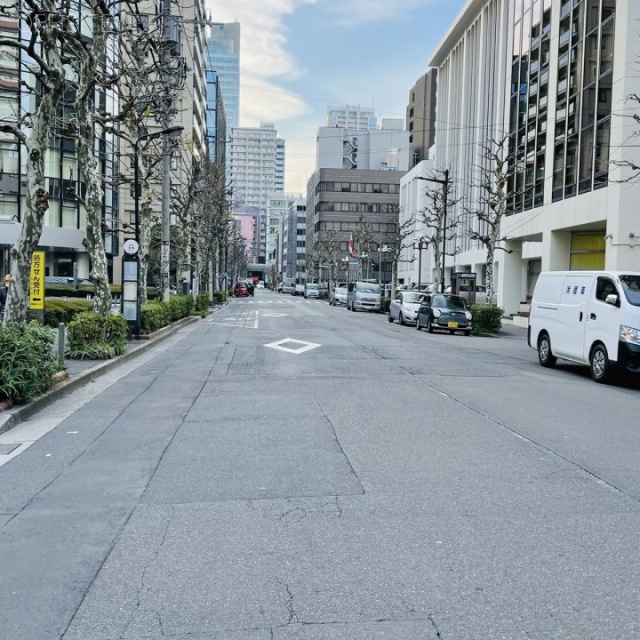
[(306, 346)]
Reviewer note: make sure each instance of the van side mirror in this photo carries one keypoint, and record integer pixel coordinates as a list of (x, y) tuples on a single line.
[(612, 299)]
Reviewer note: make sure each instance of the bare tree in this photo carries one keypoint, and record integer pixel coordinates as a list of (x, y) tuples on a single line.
[(441, 226), (39, 56), (329, 251), (493, 176), (398, 236)]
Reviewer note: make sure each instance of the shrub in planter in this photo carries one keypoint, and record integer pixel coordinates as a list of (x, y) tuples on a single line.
[(219, 297), (92, 336), (202, 302), (57, 310), (384, 305), (180, 307), (27, 361), (487, 318), (154, 315)]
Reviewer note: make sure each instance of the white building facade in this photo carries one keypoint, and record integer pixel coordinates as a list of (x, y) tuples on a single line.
[(551, 79), (371, 149), (256, 164), (351, 117)]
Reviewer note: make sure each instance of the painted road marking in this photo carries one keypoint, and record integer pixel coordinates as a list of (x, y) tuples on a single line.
[(289, 346)]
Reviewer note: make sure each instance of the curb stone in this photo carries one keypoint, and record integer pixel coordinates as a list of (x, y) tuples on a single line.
[(13, 416)]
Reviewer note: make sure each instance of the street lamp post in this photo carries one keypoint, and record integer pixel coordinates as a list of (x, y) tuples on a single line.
[(381, 251), (136, 205), (420, 246), (445, 194)]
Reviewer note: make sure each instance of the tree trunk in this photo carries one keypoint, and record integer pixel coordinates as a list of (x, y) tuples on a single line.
[(94, 242), (37, 203)]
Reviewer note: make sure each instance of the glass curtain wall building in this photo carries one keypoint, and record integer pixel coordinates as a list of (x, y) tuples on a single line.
[(65, 220), (551, 80), (223, 57)]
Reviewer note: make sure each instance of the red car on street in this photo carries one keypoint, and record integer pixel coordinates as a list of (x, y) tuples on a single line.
[(241, 290)]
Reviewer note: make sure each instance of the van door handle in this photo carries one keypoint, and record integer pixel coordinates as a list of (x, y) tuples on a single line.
[(580, 317), (592, 316)]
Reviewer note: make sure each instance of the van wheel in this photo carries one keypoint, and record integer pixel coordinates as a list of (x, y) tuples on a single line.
[(545, 355), (599, 361)]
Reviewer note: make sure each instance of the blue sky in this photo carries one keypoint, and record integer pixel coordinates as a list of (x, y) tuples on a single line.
[(300, 56)]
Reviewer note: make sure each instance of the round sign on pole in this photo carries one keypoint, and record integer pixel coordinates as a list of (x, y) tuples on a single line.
[(130, 246)]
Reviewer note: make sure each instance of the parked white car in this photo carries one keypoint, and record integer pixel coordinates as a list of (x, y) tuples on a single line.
[(311, 290), (404, 307), (298, 290), (338, 296)]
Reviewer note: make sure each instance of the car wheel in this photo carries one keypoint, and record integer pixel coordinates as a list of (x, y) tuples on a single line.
[(418, 327), (400, 319), (429, 326), (545, 355), (389, 318), (599, 361), (467, 332)]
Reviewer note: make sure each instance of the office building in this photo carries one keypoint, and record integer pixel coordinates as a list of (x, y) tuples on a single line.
[(351, 117), (421, 116), (551, 79), (223, 57), (340, 200), (257, 168), (64, 225), (293, 233), (279, 207), (363, 149)]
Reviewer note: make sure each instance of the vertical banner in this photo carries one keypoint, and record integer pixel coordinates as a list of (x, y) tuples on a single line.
[(36, 281)]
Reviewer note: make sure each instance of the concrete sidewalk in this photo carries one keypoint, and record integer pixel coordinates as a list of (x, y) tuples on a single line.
[(82, 371)]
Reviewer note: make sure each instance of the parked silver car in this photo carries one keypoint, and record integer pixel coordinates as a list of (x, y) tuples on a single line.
[(363, 296), (404, 307), (338, 296), (311, 290)]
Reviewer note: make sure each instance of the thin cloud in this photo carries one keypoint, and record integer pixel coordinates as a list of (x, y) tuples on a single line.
[(264, 58)]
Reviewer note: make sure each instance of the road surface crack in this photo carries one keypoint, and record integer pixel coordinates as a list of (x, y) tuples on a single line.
[(434, 624), (293, 616)]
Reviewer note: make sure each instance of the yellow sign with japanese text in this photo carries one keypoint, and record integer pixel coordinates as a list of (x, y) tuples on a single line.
[(36, 281)]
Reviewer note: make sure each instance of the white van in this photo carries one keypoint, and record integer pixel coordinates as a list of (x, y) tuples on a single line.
[(364, 296), (588, 317)]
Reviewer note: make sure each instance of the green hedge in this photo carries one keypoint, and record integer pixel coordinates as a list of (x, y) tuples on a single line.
[(57, 310), (384, 305), (157, 314), (27, 361), (219, 297), (203, 301), (91, 336), (487, 318)]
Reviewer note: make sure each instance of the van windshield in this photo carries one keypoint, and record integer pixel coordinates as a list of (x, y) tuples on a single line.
[(369, 288), (631, 287)]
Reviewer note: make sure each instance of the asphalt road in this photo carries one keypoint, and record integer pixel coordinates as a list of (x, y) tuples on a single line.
[(286, 470)]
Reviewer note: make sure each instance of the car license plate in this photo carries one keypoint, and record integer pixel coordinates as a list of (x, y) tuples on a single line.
[(453, 325)]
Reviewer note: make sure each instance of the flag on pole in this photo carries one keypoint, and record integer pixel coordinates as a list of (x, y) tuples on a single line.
[(351, 243)]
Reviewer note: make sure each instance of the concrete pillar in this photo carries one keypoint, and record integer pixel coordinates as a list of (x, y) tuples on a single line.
[(508, 274), (556, 251)]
